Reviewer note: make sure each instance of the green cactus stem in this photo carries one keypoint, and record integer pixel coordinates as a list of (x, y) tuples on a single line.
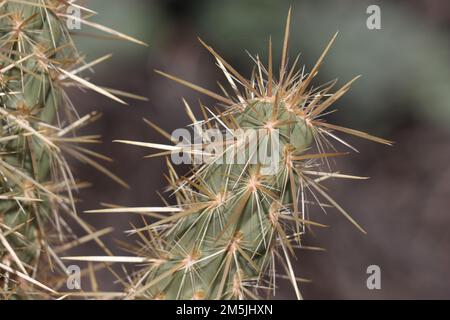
[(38, 60), (235, 226)]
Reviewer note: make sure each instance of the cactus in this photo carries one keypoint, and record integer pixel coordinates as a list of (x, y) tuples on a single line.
[(235, 224), (38, 60)]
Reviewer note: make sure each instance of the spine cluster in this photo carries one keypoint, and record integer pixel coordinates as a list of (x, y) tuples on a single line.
[(38, 61), (234, 228)]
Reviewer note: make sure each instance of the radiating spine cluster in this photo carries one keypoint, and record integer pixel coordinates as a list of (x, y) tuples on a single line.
[(235, 227), (38, 60)]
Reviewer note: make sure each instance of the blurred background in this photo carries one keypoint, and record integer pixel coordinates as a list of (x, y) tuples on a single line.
[(403, 95)]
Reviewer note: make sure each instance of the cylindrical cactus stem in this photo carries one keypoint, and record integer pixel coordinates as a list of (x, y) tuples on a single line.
[(226, 244), (33, 44), (236, 224), (38, 60)]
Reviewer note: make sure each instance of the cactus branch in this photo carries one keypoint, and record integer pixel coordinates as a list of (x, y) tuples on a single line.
[(38, 61), (234, 226)]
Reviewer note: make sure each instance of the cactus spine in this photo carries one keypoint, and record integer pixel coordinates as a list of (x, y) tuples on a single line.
[(38, 59), (235, 227)]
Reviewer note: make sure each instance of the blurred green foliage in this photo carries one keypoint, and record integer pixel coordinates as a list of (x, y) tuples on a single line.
[(404, 67), (136, 18)]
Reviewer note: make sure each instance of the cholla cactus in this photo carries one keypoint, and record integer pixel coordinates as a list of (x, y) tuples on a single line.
[(236, 225), (38, 60)]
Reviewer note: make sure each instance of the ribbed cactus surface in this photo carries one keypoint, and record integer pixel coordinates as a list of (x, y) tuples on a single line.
[(38, 60), (237, 213), (235, 227), (33, 45)]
